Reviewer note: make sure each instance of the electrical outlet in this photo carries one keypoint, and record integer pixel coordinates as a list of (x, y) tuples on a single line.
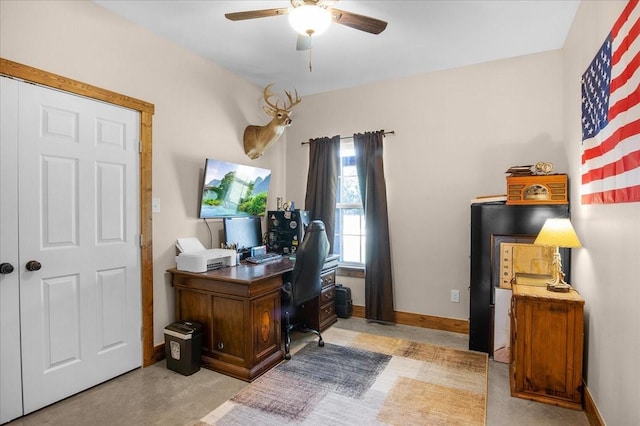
[(455, 296)]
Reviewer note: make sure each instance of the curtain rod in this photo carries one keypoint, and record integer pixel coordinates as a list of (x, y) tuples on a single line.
[(391, 132)]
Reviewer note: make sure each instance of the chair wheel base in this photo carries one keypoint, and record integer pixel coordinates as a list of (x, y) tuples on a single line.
[(321, 343), (287, 357)]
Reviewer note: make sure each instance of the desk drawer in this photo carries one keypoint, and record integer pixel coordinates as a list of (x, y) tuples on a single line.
[(327, 313), (328, 294), (328, 279)]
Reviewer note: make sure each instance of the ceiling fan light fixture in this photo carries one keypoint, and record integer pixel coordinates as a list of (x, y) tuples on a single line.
[(310, 20)]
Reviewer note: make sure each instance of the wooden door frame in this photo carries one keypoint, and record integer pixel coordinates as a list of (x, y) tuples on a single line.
[(33, 75)]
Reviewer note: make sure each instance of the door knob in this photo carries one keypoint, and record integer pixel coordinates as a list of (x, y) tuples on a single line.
[(6, 268), (33, 265)]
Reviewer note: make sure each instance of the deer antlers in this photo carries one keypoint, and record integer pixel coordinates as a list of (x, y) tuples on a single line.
[(257, 138), (272, 108)]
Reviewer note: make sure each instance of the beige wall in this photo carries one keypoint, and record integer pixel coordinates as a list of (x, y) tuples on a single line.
[(200, 109), (457, 132), (606, 270)]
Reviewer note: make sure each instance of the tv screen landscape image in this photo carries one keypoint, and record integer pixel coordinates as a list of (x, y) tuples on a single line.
[(233, 190)]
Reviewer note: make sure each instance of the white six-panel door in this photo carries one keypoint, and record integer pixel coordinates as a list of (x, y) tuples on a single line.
[(80, 311), (10, 364)]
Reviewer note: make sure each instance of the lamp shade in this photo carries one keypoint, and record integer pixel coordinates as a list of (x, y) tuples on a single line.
[(309, 19), (557, 233)]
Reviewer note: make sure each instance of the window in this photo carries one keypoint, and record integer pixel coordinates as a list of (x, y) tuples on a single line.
[(350, 235)]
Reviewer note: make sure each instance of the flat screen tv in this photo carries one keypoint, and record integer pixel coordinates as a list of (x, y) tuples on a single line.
[(233, 190)]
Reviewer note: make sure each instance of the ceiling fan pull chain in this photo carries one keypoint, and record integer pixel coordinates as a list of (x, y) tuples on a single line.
[(310, 68)]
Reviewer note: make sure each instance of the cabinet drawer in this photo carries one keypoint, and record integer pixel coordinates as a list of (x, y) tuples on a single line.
[(328, 294), (328, 279), (327, 311)]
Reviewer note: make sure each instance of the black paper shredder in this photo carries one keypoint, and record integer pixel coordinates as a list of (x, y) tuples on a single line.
[(182, 346)]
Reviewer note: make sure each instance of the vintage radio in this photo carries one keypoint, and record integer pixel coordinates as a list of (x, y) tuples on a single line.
[(537, 189)]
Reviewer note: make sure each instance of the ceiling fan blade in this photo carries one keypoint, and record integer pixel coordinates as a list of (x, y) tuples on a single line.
[(359, 22), (253, 14), (303, 42)]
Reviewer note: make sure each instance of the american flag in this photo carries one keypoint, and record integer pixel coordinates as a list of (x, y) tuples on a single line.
[(611, 116)]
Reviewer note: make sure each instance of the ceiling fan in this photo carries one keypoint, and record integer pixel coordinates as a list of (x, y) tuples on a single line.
[(312, 17)]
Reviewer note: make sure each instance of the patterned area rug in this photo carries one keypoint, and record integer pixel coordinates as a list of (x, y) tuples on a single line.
[(359, 378)]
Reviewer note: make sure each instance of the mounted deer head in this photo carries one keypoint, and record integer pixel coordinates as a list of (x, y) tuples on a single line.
[(258, 138)]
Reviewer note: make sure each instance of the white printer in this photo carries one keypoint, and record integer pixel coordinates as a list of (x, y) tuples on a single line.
[(194, 257)]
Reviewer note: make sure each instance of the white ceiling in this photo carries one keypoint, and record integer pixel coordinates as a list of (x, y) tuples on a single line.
[(421, 36)]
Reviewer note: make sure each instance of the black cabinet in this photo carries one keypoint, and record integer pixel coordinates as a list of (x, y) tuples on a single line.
[(500, 219), (285, 230)]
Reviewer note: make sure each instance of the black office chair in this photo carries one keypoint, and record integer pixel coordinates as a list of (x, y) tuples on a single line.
[(305, 283)]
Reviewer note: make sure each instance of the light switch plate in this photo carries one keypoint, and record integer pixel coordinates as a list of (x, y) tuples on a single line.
[(155, 205)]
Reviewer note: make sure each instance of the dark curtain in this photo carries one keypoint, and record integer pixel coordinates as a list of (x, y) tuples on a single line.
[(373, 189), (322, 182)]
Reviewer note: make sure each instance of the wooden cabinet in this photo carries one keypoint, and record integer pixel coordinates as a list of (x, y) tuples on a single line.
[(239, 309), (547, 332)]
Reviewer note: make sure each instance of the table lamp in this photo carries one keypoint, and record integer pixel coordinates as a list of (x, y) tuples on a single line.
[(557, 233)]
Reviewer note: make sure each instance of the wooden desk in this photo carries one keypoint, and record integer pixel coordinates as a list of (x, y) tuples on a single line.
[(239, 308)]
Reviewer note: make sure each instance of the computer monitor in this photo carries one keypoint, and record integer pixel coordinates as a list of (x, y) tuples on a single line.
[(244, 232)]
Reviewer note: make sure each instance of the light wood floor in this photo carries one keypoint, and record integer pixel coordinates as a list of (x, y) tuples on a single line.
[(158, 396)]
